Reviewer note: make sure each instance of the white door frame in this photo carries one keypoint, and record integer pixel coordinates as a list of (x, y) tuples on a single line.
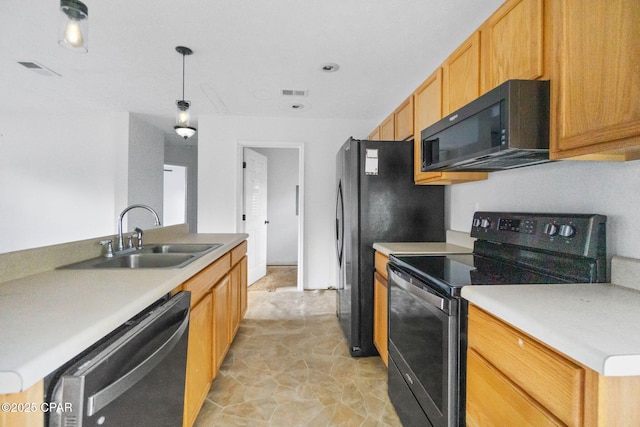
[(273, 144)]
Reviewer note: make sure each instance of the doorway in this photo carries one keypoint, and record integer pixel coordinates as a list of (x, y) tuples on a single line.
[(174, 209), (283, 223)]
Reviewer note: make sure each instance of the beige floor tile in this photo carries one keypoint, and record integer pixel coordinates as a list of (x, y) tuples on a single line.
[(289, 366)]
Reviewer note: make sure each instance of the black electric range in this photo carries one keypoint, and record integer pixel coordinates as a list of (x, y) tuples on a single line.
[(513, 248), (428, 319)]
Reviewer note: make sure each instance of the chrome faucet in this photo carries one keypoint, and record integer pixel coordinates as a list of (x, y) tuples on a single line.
[(127, 209)]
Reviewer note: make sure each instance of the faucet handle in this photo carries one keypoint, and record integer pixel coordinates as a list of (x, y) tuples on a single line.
[(130, 241), (139, 233), (109, 251)]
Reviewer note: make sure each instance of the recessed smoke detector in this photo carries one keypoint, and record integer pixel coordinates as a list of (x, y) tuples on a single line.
[(294, 92), (329, 67), (38, 68)]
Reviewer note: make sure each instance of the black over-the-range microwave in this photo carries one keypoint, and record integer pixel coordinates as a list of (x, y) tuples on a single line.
[(506, 128)]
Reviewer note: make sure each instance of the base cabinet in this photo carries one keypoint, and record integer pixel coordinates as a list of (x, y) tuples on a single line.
[(218, 303), (199, 354), (380, 307), (513, 379), (31, 399)]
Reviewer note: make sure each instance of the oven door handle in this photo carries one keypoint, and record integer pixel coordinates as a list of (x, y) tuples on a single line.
[(420, 290)]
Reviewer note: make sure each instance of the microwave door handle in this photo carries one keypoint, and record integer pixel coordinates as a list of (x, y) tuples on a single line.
[(430, 152), (102, 398), (443, 304)]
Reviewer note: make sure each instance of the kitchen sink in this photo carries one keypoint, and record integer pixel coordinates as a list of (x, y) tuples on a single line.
[(181, 248), (161, 255), (142, 260)]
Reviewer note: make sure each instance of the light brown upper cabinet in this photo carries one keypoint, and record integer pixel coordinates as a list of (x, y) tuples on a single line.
[(427, 105), (514, 43), (461, 75), (387, 130), (374, 135), (595, 89), (403, 120)]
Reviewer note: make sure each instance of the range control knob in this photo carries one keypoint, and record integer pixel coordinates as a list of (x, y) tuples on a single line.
[(476, 222), (566, 230), (551, 229), (485, 223)]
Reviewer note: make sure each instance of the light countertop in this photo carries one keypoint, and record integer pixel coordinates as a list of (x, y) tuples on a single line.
[(420, 248), (50, 317), (598, 325), (458, 242)]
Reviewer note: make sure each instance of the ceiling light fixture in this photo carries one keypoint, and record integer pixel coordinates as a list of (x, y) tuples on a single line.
[(74, 28), (329, 67), (182, 127)]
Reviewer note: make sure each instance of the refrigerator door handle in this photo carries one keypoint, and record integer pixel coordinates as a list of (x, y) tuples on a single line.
[(339, 224)]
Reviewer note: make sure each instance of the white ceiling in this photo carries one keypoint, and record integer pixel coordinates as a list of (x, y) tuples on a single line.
[(245, 52)]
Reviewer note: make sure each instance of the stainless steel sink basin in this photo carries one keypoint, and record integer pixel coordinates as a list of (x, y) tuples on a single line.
[(181, 248), (169, 255), (142, 260)]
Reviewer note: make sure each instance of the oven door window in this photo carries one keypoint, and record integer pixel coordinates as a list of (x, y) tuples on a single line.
[(424, 337)]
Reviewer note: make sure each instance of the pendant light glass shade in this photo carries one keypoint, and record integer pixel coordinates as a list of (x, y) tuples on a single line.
[(74, 26), (183, 126)]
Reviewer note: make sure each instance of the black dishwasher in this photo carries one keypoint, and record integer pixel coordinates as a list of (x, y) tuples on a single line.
[(133, 377)]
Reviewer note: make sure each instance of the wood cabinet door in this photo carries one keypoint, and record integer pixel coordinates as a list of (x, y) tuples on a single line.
[(380, 302), (244, 304), (548, 377), (461, 75), (199, 359), (234, 301), (387, 130), (374, 135), (221, 318), (493, 400), (403, 117), (427, 106), (513, 43), (596, 88)]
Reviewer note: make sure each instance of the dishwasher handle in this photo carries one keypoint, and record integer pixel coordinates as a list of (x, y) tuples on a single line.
[(420, 290), (102, 398)]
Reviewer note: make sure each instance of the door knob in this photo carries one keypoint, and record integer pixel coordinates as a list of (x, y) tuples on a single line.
[(266, 221)]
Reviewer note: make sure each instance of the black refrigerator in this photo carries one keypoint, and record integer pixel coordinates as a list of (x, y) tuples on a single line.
[(377, 201)]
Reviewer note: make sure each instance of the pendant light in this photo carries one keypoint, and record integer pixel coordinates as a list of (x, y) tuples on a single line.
[(182, 126), (74, 27)]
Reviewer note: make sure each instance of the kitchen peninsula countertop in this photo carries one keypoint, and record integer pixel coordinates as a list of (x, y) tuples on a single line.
[(458, 242), (420, 248), (49, 317), (598, 325)]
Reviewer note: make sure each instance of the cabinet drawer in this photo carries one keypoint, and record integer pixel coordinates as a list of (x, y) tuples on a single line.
[(381, 261), (493, 400), (550, 378), (238, 252), (202, 282)]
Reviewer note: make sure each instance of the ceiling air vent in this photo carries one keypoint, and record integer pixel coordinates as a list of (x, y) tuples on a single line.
[(294, 92), (38, 68)]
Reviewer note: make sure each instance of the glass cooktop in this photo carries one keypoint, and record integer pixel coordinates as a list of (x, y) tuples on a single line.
[(452, 272)]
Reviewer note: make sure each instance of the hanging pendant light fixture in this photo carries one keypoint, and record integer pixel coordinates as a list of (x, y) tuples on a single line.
[(74, 28), (182, 126)]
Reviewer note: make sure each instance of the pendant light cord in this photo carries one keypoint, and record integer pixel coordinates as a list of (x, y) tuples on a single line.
[(183, 76)]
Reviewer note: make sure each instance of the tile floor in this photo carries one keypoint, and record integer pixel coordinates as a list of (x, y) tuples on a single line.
[(289, 366), (278, 276)]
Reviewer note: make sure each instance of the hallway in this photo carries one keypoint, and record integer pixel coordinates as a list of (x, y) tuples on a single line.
[(289, 366)]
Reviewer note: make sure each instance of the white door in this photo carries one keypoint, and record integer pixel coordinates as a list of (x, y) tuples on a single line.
[(174, 207), (255, 211)]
